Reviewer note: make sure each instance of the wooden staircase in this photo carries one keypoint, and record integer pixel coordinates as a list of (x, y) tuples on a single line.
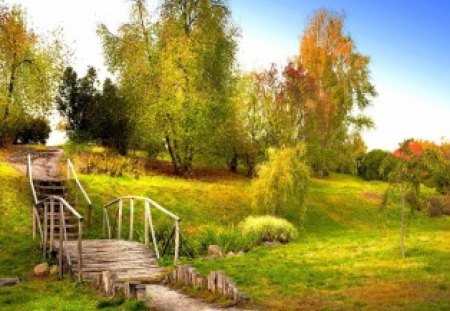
[(45, 189)]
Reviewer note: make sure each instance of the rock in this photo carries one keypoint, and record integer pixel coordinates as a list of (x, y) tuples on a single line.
[(271, 244), (214, 252), (9, 282), (54, 270), (41, 269), (231, 254), (240, 254)]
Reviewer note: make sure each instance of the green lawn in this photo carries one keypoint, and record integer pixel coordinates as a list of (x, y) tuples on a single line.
[(345, 259)]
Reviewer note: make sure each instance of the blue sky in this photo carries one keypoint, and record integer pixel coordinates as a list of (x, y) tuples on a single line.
[(408, 42), (409, 46)]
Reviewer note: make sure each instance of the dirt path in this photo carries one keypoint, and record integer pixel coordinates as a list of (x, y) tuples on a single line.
[(167, 299), (46, 162)]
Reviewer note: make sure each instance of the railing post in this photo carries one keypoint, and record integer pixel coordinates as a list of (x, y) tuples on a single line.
[(52, 223), (119, 227), (152, 230), (146, 212), (80, 250), (62, 230), (34, 221), (89, 215), (177, 241), (131, 218), (44, 246)]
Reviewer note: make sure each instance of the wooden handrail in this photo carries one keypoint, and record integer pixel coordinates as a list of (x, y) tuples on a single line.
[(65, 203), (71, 170), (155, 204), (148, 222), (30, 178), (50, 202)]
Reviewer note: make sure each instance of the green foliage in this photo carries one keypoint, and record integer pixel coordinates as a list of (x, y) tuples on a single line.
[(109, 120), (229, 239), (75, 99), (110, 164), (175, 75), (34, 131), (377, 165), (282, 184), (268, 229), (30, 68)]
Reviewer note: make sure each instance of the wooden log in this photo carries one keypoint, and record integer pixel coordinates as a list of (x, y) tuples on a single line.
[(106, 282), (141, 293), (131, 289)]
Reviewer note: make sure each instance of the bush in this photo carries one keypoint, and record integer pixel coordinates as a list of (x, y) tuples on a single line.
[(377, 165), (34, 131), (229, 239), (282, 183), (268, 229)]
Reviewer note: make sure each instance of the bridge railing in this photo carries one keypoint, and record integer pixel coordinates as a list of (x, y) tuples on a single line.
[(49, 231), (149, 227), (79, 187)]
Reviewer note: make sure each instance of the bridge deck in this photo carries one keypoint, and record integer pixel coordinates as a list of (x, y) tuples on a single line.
[(127, 260)]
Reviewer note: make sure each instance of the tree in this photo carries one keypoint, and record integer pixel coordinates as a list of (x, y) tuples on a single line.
[(377, 165), (30, 68), (341, 83), (255, 121), (108, 118), (175, 74), (281, 186), (412, 169), (75, 98)]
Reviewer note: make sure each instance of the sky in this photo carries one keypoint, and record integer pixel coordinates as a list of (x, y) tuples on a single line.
[(408, 43)]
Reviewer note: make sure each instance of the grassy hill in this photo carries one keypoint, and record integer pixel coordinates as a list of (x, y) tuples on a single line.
[(346, 258)]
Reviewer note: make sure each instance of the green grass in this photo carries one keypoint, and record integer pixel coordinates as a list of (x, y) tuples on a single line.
[(345, 259), (19, 254)]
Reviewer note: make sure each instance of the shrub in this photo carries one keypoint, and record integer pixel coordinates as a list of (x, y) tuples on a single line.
[(282, 183), (376, 165), (268, 229), (229, 239), (34, 131), (109, 163)]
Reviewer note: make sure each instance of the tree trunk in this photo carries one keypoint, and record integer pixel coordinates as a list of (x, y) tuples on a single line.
[(11, 85), (402, 229), (233, 163), (173, 157)]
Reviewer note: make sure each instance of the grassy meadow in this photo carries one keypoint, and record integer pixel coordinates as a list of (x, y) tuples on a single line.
[(346, 258)]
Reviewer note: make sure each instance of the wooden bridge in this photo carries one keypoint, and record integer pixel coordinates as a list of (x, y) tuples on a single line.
[(59, 225)]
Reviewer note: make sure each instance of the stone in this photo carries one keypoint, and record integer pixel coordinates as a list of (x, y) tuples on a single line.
[(214, 252), (54, 270), (41, 269), (271, 244), (240, 254), (9, 282), (231, 254)]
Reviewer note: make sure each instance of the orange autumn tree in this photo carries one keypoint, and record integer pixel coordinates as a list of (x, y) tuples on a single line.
[(342, 89)]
